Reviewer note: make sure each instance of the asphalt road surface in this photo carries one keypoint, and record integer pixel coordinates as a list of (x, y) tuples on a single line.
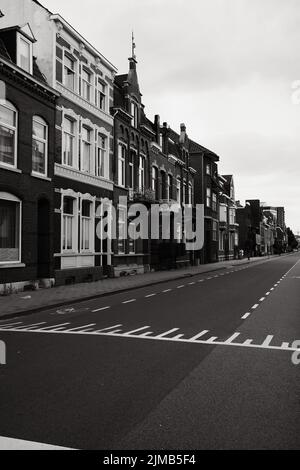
[(200, 363)]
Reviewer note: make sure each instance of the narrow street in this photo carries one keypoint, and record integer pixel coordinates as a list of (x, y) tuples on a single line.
[(198, 363)]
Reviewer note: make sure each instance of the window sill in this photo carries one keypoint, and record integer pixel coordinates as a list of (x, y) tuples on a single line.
[(4, 167), (42, 177), (12, 265)]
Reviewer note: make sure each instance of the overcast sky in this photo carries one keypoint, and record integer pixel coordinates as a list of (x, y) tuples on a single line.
[(223, 67)]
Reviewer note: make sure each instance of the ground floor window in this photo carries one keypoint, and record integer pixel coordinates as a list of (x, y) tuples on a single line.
[(214, 231), (122, 230), (221, 240), (10, 223)]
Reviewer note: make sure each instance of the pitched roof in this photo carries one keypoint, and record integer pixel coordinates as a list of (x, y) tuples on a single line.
[(194, 147), (3, 51)]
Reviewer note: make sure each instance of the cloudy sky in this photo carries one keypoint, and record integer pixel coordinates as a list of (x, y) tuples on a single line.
[(223, 67)]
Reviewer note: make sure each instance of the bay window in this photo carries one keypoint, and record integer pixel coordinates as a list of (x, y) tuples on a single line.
[(39, 146), (170, 188), (178, 191), (214, 202), (208, 197), (10, 223), (155, 180), (8, 134)]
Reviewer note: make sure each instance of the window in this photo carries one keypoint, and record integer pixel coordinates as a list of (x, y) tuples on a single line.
[(10, 223), (141, 173), (178, 187), (86, 226), (208, 197), (155, 180), (223, 213), (86, 85), (132, 157), (214, 230), (101, 156), (8, 134), (86, 150), (131, 241), (208, 169), (68, 142), (24, 57), (39, 146), (134, 113), (101, 95), (121, 164), (231, 241), (69, 225), (69, 72), (214, 202), (170, 188), (122, 230), (231, 216)]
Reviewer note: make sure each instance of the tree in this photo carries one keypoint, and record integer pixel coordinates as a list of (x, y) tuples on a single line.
[(292, 242)]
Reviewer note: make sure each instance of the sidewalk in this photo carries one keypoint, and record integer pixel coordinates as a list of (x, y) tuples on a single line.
[(34, 301)]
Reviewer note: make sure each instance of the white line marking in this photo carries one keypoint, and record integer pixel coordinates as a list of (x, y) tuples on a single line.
[(134, 331), (53, 326), (147, 333), (166, 333), (272, 288), (128, 301), (178, 336), (8, 325), (255, 306), (191, 283), (212, 339), (166, 290), (262, 299), (179, 287), (9, 443), (208, 278), (285, 345), (78, 328), (31, 325), (267, 293), (150, 295), (201, 280), (247, 343), (268, 340), (102, 308), (231, 338), (246, 315), (108, 328), (202, 333)]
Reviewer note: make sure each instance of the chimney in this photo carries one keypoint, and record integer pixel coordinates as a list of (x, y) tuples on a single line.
[(182, 133)]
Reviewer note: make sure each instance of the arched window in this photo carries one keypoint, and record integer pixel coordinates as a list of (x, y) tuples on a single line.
[(10, 228), (8, 134), (39, 146)]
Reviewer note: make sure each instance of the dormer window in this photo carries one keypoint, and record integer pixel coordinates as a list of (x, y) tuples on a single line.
[(24, 53)]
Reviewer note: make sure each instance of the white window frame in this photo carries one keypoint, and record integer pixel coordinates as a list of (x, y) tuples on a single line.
[(40, 120), (91, 219), (214, 201), (208, 197), (20, 38), (101, 151), (10, 197), (184, 192), (75, 72), (134, 110), (87, 143), (169, 186), (190, 193), (122, 222), (72, 136), (85, 84), (11, 107), (101, 90), (74, 248)]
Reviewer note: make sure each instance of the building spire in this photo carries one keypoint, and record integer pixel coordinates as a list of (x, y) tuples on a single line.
[(133, 46)]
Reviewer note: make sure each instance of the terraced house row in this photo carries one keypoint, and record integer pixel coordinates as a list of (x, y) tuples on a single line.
[(74, 138)]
